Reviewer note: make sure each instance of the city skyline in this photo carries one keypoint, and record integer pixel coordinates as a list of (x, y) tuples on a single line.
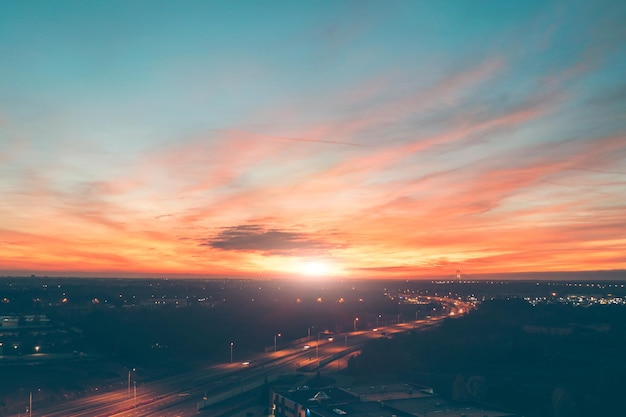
[(335, 138)]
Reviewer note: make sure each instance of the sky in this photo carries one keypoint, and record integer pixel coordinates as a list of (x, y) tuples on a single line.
[(344, 139)]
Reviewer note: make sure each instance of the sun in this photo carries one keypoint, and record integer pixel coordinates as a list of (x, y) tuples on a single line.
[(315, 268)]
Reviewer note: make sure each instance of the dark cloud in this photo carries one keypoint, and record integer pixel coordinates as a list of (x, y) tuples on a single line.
[(268, 241)]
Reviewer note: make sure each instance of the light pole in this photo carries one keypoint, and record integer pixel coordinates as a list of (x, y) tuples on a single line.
[(356, 320), (231, 352), (129, 371), (275, 336), (377, 317), (135, 393), (317, 347)]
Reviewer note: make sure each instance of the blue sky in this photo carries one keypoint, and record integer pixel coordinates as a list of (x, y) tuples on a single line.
[(395, 138)]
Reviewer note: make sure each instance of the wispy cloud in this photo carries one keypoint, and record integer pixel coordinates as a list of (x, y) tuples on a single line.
[(383, 145)]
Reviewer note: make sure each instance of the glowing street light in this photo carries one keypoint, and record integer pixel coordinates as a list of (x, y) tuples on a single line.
[(231, 352), (275, 336), (378, 317), (356, 320)]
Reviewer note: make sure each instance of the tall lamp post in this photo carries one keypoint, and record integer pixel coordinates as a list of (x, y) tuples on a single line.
[(356, 320), (275, 336), (377, 317), (231, 352), (317, 347), (129, 371)]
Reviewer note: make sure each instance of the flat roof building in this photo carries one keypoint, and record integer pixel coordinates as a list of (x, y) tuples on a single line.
[(399, 400)]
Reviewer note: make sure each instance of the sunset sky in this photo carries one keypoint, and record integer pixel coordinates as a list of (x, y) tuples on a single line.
[(349, 139)]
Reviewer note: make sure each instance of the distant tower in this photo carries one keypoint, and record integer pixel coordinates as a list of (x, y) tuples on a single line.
[(458, 274)]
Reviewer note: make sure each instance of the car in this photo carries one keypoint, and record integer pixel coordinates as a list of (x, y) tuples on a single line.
[(306, 347), (246, 363)]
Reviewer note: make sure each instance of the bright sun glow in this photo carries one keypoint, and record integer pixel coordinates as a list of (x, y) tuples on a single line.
[(315, 268)]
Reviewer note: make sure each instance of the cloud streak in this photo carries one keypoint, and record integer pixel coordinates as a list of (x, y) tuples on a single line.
[(386, 149)]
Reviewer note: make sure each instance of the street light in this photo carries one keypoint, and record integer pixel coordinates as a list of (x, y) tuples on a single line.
[(356, 320), (133, 370), (275, 336), (377, 320), (231, 352)]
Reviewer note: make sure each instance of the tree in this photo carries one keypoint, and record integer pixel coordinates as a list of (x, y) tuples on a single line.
[(476, 388), (459, 389), (563, 404)]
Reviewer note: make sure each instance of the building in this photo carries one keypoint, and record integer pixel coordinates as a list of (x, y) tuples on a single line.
[(35, 334), (399, 400)]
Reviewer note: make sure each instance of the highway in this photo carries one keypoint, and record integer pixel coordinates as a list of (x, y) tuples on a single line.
[(182, 394)]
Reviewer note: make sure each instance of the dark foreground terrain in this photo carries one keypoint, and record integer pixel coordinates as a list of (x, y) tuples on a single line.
[(545, 360), (537, 348)]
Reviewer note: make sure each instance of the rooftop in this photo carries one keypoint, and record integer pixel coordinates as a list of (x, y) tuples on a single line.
[(320, 396), (401, 400), (362, 409), (391, 391), (444, 408)]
